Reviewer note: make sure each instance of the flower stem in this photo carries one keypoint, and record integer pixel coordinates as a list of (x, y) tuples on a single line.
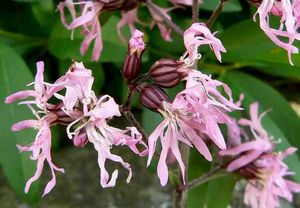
[(131, 118), (179, 194), (167, 21), (126, 111), (213, 173), (195, 10), (216, 13)]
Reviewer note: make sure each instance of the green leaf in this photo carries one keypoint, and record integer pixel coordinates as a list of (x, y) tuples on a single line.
[(281, 122), (61, 45), (16, 166), (231, 6), (197, 166), (150, 120), (20, 42), (220, 191)]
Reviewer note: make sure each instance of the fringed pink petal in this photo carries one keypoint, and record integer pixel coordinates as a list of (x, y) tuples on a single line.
[(24, 125)]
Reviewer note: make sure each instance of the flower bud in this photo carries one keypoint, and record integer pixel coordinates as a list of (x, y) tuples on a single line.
[(131, 67), (80, 140), (165, 72), (112, 5), (152, 96), (133, 60)]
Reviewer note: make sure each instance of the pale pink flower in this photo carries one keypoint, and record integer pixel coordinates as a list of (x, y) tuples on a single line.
[(195, 36), (249, 151), (269, 184), (104, 137), (184, 2), (88, 21), (288, 10), (185, 121), (42, 91), (40, 149), (136, 42), (78, 83), (204, 83), (164, 30), (128, 18)]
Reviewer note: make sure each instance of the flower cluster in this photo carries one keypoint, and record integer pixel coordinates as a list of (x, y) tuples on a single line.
[(85, 115), (88, 19), (196, 112), (193, 118), (263, 168)]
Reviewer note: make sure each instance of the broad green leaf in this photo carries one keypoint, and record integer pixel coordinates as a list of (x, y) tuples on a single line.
[(220, 191), (17, 166), (197, 167), (61, 45), (281, 122), (231, 6), (150, 120), (20, 42)]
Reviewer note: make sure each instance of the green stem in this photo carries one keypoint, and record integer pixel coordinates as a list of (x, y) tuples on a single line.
[(216, 13)]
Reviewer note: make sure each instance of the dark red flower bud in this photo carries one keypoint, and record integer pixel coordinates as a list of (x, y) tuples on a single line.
[(152, 96), (112, 4), (165, 72), (131, 67), (129, 5), (133, 60), (118, 4)]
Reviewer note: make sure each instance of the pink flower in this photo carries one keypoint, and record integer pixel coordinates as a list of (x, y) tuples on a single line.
[(40, 148), (88, 21), (104, 137), (253, 149), (184, 2), (288, 10), (42, 91), (136, 43), (200, 82), (186, 121), (269, 184), (128, 17), (198, 34), (164, 31), (78, 83)]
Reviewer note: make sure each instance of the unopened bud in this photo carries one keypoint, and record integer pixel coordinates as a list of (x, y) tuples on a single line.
[(80, 140), (112, 5), (131, 67), (133, 60), (129, 5), (152, 96), (166, 73)]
